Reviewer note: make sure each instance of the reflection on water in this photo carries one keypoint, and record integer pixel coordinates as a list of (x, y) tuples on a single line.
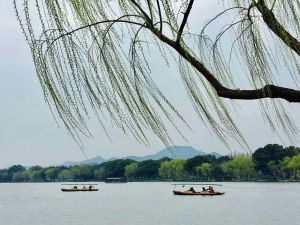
[(149, 204)]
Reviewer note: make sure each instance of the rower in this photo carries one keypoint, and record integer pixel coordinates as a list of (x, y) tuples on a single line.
[(210, 189), (192, 190)]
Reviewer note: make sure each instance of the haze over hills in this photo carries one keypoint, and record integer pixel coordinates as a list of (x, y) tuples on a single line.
[(181, 152), (93, 161)]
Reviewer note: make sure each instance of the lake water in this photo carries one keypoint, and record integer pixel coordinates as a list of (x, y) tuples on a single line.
[(149, 204)]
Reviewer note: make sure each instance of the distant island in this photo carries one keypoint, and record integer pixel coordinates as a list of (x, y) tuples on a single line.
[(272, 162)]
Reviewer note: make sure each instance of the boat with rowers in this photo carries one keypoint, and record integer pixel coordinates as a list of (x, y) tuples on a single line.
[(75, 188), (191, 191)]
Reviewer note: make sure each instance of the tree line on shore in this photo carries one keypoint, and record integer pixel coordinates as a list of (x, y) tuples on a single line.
[(272, 162)]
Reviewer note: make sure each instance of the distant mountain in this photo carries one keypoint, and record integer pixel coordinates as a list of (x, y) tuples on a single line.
[(217, 155), (181, 152), (93, 161)]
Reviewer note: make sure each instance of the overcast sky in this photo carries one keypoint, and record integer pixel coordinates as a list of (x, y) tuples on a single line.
[(30, 136)]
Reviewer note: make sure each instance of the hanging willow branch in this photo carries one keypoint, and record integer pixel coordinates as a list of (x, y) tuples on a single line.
[(80, 50)]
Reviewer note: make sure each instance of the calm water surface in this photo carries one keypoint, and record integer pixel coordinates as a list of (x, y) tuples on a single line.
[(150, 204)]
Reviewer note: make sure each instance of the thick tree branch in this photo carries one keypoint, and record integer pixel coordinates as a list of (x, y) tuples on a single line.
[(269, 91), (277, 28), (184, 20)]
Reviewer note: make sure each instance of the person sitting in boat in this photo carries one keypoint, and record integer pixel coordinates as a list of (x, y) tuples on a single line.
[(203, 189), (83, 187), (211, 189), (75, 187), (90, 187), (192, 189)]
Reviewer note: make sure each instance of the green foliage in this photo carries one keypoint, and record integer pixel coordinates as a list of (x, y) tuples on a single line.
[(36, 168), (65, 175), (100, 173), (36, 175), (130, 170), (51, 173), (204, 170), (294, 165), (8, 174), (262, 157), (96, 58), (20, 177), (82, 172), (192, 163), (148, 169), (239, 168), (274, 168), (81, 58), (173, 169), (284, 170), (281, 163), (15, 169), (115, 168)]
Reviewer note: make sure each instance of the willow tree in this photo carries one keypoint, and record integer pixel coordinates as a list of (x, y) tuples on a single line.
[(95, 53)]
